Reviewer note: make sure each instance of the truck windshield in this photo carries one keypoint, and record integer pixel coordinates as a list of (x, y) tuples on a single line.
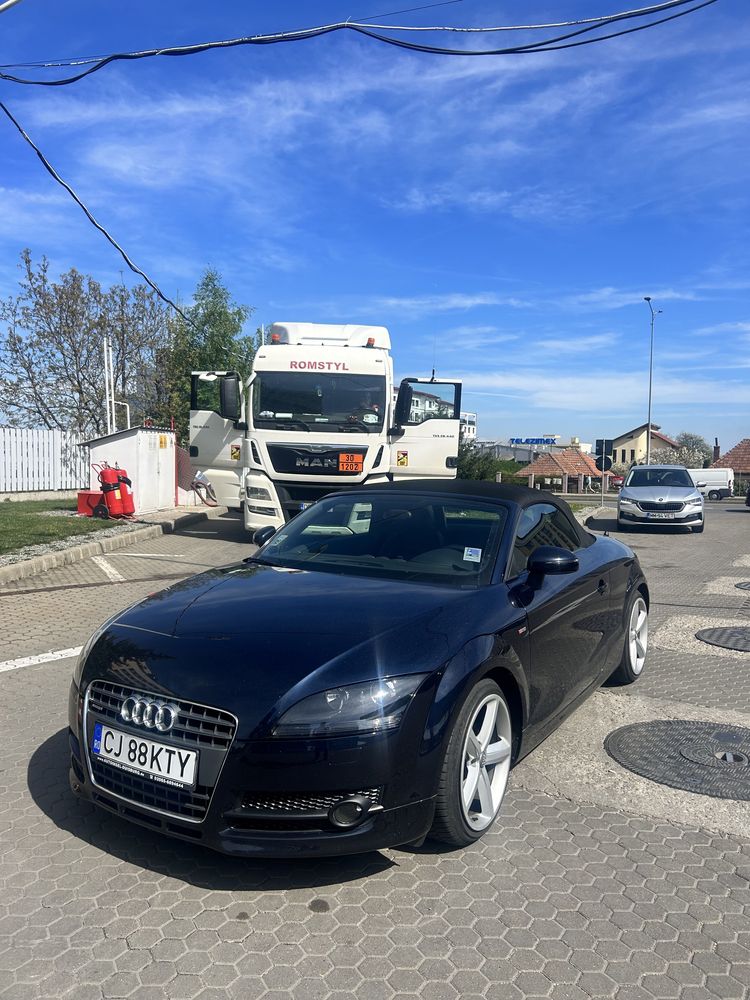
[(313, 401)]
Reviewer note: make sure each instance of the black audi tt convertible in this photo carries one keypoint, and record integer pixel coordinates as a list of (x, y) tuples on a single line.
[(366, 679)]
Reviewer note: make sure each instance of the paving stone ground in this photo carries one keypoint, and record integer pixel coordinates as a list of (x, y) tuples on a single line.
[(563, 899)]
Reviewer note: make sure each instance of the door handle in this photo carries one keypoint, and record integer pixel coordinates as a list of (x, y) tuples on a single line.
[(603, 587)]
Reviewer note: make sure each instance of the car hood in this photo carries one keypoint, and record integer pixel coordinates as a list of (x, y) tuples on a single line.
[(659, 494), (254, 599), (252, 639)]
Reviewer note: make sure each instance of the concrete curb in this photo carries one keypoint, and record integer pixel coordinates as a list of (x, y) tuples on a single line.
[(76, 553)]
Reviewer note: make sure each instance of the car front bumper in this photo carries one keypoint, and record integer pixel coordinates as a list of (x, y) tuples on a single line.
[(255, 807), (637, 516)]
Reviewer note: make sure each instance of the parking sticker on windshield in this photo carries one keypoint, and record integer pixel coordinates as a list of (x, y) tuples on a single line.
[(472, 555)]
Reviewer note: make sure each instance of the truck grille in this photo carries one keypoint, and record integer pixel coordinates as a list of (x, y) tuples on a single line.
[(197, 726), (650, 505)]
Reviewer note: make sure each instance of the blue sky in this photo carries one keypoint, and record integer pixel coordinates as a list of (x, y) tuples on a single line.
[(504, 215)]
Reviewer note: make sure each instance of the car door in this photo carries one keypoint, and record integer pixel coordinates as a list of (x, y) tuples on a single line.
[(568, 614)]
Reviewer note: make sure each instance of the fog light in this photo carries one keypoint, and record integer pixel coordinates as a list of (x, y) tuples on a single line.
[(349, 812)]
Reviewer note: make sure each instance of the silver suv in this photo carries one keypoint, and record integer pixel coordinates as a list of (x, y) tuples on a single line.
[(660, 493)]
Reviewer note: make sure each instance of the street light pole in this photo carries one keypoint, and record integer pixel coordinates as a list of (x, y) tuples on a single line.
[(647, 299)]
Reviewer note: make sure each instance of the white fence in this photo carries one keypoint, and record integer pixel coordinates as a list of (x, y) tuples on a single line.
[(41, 460)]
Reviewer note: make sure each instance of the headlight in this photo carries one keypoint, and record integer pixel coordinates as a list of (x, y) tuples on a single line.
[(257, 493), (372, 707), (696, 500), (626, 500)]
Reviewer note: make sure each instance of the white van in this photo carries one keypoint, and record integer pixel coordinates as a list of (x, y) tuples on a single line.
[(716, 484)]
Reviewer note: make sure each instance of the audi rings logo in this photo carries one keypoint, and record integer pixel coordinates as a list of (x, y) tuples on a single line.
[(151, 714)]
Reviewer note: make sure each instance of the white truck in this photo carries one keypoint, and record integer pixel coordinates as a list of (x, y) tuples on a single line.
[(319, 412)]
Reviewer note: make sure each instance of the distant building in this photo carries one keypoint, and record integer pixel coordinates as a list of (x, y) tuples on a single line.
[(737, 458), (630, 447), (560, 469), (469, 426)]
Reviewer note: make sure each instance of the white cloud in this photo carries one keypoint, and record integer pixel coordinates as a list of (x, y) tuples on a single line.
[(578, 345), (423, 305), (736, 327), (616, 298)]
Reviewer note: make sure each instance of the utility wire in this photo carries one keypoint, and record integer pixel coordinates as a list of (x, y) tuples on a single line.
[(548, 45), (133, 267)]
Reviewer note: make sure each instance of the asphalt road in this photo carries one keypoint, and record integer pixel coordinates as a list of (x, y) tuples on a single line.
[(595, 883)]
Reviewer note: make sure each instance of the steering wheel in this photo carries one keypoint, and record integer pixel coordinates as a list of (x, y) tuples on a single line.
[(354, 422)]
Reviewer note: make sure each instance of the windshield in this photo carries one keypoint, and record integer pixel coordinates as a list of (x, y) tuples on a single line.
[(313, 401), (659, 477), (453, 542)]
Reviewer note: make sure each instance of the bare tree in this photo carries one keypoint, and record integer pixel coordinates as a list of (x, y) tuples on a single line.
[(51, 367)]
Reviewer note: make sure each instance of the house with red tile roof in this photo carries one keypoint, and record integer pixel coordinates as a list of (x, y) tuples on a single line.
[(564, 465), (737, 458)]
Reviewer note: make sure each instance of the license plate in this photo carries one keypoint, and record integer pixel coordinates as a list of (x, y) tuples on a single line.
[(164, 764), (349, 462), (661, 517)]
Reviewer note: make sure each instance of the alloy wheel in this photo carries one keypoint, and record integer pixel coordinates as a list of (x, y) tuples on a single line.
[(485, 762), (638, 635)]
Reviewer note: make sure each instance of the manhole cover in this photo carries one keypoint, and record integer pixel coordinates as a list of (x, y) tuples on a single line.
[(734, 637), (745, 585), (699, 757)]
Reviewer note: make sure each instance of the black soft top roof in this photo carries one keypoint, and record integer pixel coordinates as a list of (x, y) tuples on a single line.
[(522, 496)]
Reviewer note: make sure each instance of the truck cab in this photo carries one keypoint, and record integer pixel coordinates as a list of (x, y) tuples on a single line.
[(319, 412)]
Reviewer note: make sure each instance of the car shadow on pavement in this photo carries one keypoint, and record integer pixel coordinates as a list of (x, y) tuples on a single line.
[(47, 777)]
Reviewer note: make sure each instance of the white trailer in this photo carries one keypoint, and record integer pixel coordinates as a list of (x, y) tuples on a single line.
[(319, 413)]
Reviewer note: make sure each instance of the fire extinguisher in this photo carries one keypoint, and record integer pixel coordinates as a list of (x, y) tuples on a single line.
[(110, 480), (128, 503)]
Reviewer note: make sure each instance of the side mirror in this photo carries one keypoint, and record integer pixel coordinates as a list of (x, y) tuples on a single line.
[(230, 399), (551, 560), (263, 535), (700, 486), (403, 404)]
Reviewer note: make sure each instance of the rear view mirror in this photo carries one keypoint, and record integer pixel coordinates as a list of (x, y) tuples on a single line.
[(700, 486), (230, 400), (263, 535), (403, 404), (551, 560)]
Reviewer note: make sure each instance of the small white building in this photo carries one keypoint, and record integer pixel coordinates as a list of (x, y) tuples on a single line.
[(149, 456)]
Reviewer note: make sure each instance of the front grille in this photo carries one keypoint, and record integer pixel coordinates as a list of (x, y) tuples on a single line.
[(196, 726), (302, 802), (650, 505), (210, 731), (185, 802)]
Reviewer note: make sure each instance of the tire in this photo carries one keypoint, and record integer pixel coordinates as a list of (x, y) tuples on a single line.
[(622, 525), (484, 723), (713, 495), (698, 528), (635, 648)]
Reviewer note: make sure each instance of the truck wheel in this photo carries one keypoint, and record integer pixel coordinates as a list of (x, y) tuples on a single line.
[(713, 495)]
